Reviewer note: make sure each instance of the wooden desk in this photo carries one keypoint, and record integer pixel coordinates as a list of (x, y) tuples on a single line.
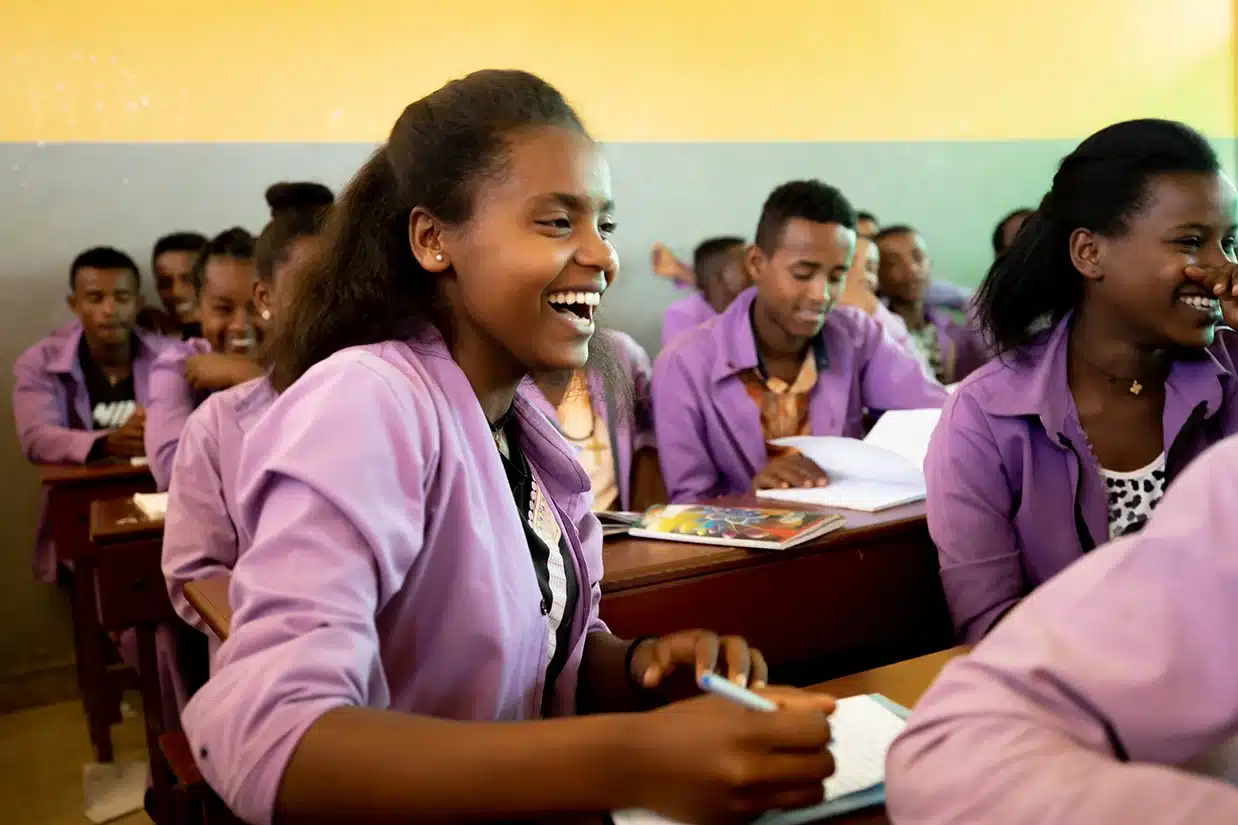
[(210, 598), (870, 590), (70, 488), (125, 558), (904, 683)]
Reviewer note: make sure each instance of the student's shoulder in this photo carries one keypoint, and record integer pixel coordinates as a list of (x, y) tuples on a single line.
[(385, 372), (625, 345), (853, 322), (173, 352), (694, 347), (44, 352)]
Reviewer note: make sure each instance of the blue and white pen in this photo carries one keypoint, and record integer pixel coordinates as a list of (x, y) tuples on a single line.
[(719, 686)]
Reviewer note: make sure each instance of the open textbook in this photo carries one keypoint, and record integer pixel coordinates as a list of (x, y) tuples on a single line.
[(863, 728), (883, 470)]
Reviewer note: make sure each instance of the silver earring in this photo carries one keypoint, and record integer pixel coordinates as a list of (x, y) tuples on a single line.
[(439, 257), (266, 314)]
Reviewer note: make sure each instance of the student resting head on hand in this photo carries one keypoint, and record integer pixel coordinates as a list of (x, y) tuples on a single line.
[(1107, 696), (1112, 376), (422, 585), (781, 361), (186, 373)]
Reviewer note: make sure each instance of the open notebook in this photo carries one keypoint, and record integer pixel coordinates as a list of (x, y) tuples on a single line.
[(883, 470), (863, 728)]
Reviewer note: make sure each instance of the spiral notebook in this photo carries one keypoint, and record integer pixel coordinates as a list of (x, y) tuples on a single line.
[(863, 728)]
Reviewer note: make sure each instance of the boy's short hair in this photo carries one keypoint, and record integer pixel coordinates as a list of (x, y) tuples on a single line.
[(809, 200), (103, 257)]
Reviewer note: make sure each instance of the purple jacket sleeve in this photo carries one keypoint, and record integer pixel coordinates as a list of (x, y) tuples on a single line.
[(39, 415), (199, 539), (892, 379), (1086, 704), (172, 399), (969, 505), (590, 530), (687, 467), (336, 525)]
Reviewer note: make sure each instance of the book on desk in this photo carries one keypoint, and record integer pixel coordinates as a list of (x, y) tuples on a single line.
[(884, 469), (750, 527)]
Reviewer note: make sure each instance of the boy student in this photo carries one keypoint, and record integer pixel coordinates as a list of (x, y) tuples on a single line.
[(941, 294), (718, 267), (781, 361), (172, 262), (951, 349), (80, 394)]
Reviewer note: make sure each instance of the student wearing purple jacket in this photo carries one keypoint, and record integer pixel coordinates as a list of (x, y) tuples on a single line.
[(200, 535), (952, 350), (223, 357), (81, 393), (718, 265), (422, 584), (1071, 436), (781, 361), (611, 431), (1108, 696)]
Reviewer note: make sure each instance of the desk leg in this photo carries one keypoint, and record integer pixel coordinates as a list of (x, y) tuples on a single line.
[(98, 696), (152, 712)]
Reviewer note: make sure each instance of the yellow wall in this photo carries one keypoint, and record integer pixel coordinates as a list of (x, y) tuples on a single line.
[(340, 70)]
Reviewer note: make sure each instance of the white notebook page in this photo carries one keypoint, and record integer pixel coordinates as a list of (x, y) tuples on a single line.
[(863, 729)]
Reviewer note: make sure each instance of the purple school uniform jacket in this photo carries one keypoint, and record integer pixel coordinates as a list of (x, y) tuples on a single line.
[(172, 400), (1014, 493), (630, 430), (200, 536), (51, 408), (683, 315), (1109, 696), (387, 566), (710, 441)]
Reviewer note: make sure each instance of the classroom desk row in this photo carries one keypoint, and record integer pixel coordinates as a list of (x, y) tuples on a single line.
[(903, 682), (867, 594)]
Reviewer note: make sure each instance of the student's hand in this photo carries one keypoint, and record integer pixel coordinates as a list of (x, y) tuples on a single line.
[(666, 265), (709, 760), (217, 371), (127, 440), (790, 470), (1221, 281), (694, 653)]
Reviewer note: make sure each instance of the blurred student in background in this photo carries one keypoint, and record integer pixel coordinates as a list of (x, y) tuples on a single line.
[(1007, 229), (951, 349), (611, 429), (719, 276), (200, 536), (172, 262), (225, 355), (860, 291), (81, 394)]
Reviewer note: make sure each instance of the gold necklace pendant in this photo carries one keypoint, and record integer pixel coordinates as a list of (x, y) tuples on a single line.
[(1136, 388)]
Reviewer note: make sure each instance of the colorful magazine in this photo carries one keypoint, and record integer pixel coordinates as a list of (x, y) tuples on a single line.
[(755, 528)]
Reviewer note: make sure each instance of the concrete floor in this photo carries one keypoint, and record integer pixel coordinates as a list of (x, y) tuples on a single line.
[(42, 752)]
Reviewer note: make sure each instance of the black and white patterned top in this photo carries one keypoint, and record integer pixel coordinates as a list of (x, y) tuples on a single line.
[(1133, 496)]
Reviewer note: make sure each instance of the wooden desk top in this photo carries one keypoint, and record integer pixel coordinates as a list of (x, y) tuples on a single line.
[(55, 475), (210, 598), (629, 563), (115, 520)]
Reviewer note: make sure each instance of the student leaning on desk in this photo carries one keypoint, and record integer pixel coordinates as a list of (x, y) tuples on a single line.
[(423, 552)]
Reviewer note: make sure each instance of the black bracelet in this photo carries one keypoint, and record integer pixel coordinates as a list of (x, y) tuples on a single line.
[(633, 682)]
